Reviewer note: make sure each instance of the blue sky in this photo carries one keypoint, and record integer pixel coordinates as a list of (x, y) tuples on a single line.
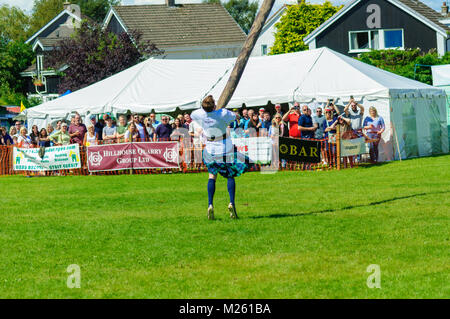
[(27, 5)]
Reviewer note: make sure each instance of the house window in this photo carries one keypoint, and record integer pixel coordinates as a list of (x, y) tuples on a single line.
[(264, 49), (374, 40), (393, 39), (363, 41), (359, 40)]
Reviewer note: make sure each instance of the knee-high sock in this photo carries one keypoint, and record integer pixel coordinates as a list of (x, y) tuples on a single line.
[(211, 190), (231, 189)]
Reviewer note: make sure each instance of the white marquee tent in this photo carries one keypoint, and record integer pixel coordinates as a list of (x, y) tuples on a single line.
[(415, 110)]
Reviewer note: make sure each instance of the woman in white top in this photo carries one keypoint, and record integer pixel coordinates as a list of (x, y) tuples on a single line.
[(219, 155), (13, 131), (24, 141), (90, 138), (132, 134)]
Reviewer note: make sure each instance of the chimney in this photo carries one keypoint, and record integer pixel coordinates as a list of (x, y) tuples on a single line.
[(170, 3), (72, 8), (444, 10)]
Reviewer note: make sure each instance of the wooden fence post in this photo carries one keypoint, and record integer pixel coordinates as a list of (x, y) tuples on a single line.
[(338, 147)]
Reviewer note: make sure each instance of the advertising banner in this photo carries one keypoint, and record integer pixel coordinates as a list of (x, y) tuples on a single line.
[(353, 147), (120, 156), (258, 149), (54, 158), (297, 150)]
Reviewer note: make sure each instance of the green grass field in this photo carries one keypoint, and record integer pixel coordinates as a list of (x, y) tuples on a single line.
[(300, 235)]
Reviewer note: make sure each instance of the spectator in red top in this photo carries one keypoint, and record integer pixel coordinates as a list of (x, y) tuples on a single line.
[(77, 130), (292, 118)]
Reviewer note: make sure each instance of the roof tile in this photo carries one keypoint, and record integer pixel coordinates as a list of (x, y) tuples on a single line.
[(182, 25), (425, 11)]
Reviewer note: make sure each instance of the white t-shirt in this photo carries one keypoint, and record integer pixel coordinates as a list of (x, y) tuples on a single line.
[(196, 129), (215, 124), (355, 118), (26, 141), (128, 136)]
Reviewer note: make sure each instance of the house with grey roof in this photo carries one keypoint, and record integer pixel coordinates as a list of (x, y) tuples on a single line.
[(43, 81), (266, 38), (182, 31), (364, 25)]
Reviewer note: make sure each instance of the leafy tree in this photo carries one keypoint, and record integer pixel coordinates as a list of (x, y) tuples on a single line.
[(45, 10), (242, 11), (404, 62), (93, 54), (96, 9), (297, 22), (15, 56), (14, 23), (10, 97)]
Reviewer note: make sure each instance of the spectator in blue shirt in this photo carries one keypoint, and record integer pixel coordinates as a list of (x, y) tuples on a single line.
[(98, 127), (305, 123), (164, 130), (44, 140), (5, 139), (155, 123), (265, 124), (237, 126), (245, 116)]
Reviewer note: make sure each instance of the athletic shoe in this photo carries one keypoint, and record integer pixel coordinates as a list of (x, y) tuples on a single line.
[(232, 211), (210, 212)]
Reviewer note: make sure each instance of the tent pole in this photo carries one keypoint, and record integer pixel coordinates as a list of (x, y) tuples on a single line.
[(338, 147), (396, 141)]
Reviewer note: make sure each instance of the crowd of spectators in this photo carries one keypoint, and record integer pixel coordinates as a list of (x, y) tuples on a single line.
[(297, 122)]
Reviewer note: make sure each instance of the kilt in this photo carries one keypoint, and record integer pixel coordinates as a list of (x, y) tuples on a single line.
[(228, 165)]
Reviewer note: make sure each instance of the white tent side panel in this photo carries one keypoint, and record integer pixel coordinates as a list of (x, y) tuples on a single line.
[(420, 124), (441, 74)]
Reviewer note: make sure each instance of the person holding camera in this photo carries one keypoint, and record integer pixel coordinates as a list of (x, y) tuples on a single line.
[(292, 117), (333, 107), (355, 112)]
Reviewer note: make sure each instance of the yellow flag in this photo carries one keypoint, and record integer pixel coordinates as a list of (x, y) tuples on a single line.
[(22, 107)]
